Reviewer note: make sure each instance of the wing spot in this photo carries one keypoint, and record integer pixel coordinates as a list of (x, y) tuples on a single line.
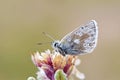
[(77, 41)]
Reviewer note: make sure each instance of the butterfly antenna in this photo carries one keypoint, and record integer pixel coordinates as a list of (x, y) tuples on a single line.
[(43, 43), (46, 34)]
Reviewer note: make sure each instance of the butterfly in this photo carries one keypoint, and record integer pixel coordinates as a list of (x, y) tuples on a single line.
[(82, 40)]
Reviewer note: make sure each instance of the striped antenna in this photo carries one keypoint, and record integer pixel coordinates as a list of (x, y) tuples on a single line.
[(46, 34), (43, 43)]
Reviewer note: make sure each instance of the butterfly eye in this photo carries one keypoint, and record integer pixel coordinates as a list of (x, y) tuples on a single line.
[(55, 44)]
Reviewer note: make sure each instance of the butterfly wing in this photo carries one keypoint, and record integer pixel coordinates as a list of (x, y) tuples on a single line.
[(82, 40)]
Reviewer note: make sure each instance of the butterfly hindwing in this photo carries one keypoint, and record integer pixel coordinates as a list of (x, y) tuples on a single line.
[(81, 40)]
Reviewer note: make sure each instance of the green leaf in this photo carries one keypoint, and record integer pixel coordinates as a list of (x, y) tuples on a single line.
[(60, 75)]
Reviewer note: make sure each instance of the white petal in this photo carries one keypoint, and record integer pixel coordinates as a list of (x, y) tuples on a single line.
[(33, 59), (41, 75), (38, 56), (77, 62), (80, 75), (47, 51)]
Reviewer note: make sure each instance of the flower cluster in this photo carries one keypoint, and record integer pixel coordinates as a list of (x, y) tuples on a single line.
[(54, 66)]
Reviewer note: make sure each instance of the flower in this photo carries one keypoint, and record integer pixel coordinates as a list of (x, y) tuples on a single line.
[(53, 65)]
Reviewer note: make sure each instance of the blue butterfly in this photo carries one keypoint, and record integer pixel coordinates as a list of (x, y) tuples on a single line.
[(80, 41)]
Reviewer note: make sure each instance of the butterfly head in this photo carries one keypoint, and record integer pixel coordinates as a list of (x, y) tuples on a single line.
[(55, 44), (57, 47)]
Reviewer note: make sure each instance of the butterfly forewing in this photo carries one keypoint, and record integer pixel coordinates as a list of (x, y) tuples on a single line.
[(82, 40)]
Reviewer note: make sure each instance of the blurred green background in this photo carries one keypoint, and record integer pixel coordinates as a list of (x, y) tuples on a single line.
[(23, 21)]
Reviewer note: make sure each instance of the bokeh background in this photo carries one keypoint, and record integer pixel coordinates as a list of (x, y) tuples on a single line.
[(23, 21)]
